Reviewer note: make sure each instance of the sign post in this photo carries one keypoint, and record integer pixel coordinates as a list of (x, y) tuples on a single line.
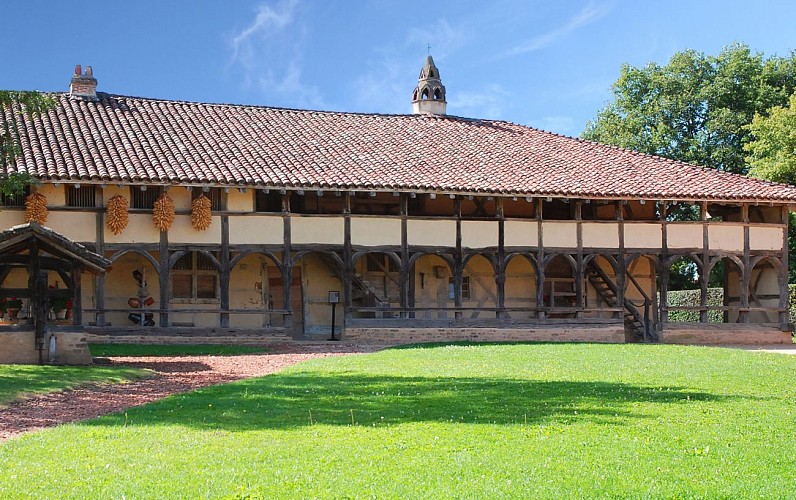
[(334, 299)]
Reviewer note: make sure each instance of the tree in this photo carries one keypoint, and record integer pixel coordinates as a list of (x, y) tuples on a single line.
[(14, 181), (773, 148), (697, 107), (772, 154)]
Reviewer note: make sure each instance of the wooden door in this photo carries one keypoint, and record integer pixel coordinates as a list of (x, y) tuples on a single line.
[(275, 299)]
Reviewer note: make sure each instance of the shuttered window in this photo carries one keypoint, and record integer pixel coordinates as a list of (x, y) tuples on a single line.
[(194, 278)]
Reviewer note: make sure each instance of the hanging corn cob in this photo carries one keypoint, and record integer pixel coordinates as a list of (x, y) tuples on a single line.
[(116, 214), (36, 208), (200, 213), (163, 212)]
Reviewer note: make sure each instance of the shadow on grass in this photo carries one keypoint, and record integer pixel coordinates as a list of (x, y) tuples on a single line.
[(293, 400)]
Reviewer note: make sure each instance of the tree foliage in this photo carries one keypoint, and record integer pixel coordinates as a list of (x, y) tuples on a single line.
[(14, 182), (772, 152), (696, 108)]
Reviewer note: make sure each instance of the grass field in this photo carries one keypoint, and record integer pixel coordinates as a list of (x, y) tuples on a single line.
[(105, 350), (524, 421), (21, 380)]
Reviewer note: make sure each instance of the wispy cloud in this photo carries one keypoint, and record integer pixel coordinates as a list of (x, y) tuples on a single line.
[(589, 14), (487, 102), (268, 55)]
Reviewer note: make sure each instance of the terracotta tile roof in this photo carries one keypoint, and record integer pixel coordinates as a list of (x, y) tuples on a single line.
[(130, 140)]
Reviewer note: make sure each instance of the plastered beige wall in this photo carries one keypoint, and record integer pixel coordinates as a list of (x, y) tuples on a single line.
[(431, 285), (520, 233), (139, 230), (256, 229), (479, 234), (725, 237), (765, 238), (182, 231), (483, 289), (112, 190), (560, 234), (643, 235), (181, 198), (317, 280), (520, 287), (600, 235), (240, 202), (120, 286), (764, 292), (56, 196), (11, 217), (244, 292), (440, 233), (328, 230), (372, 231), (77, 226), (684, 235)]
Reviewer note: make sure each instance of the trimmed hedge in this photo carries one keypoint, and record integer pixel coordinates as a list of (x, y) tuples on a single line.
[(685, 298), (715, 298)]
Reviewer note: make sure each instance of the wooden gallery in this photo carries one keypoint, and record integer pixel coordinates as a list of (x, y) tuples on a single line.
[(239, 223)]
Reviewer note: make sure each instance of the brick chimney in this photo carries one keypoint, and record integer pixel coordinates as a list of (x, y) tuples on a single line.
[(83, 84)]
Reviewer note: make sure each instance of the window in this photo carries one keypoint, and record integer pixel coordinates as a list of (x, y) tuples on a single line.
[(267, 201), (465, 288), (194, 277), (141, 197), (80, 196), (15, 200), (214, 195)]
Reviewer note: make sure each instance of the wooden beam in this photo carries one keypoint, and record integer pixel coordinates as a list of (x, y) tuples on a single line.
[(225, 273)]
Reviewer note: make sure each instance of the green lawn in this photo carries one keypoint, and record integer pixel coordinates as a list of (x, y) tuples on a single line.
[(18, 381), (105, 350), (482, 421)]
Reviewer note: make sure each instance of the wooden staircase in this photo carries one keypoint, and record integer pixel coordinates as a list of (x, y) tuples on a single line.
[(636, 320)]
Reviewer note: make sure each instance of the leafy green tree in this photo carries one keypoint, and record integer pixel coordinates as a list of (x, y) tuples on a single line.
[(772, 154), (697, 107), (14, 182)]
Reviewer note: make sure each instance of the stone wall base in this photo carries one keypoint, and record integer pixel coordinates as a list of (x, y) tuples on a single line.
[(408, 335), (723, 333), (60, 348), (186, 340)]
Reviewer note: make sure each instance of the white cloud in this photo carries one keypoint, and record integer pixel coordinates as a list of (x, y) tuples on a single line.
[(268, 54), (586, 16)]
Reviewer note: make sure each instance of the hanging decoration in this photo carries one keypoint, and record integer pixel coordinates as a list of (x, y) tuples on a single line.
[(201, 216), (163, 212), (116, 214), (36, 208)]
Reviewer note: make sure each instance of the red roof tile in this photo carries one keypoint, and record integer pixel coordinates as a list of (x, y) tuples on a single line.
[(130, 139)]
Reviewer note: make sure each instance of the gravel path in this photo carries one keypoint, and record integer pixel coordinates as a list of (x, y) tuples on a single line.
[(172, 375)]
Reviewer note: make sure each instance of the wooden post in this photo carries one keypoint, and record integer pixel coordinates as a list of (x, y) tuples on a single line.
[(226, 272), (784, 292), (540, 314), (705, 275), (580, 288), (99, 281), (77, 299), (348, 264), (500, 264), (457, 259), (163, 278), (746, 272), (407, 278), (664, 269), (287, 263)]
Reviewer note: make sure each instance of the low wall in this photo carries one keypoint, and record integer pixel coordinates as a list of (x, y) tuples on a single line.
[(408, 335), (60, 348), (185, 336), (713, 333)]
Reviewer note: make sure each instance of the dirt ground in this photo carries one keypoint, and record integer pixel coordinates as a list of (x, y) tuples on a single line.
[(172, 375)]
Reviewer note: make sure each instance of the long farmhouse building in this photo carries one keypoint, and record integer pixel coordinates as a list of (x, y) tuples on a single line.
[(422, 226)]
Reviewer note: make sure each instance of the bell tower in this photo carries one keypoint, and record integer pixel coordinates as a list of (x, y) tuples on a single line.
[(429, 95)]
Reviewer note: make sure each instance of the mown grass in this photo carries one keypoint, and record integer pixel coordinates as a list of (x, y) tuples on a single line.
[(476, 421), (19, 381), (107, 350)]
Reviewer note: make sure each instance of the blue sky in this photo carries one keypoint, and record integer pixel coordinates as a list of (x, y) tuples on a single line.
[(540, 63)]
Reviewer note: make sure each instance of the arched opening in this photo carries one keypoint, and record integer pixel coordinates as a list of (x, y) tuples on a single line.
[(725, 290), (479, 290), (520, 287), (641, 290), (195, 286), (132, 286), (414, 95), (684, 291), (251, 294), (601, 292), (433, 286), (764, 292), (376, 285), (437, 94), (318, 274), (559, 288), (424, 95)]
